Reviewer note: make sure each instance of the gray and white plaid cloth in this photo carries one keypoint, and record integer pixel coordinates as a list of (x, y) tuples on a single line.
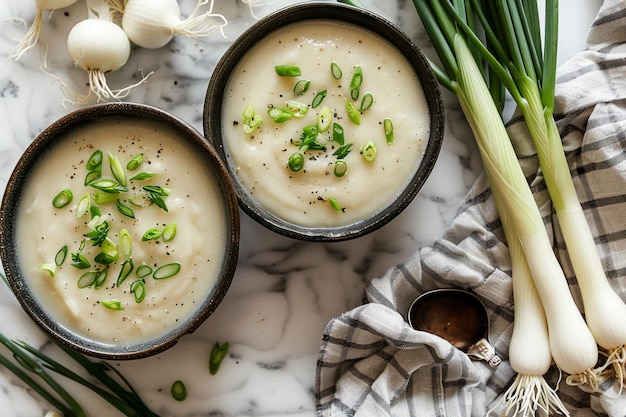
[(372, 363)]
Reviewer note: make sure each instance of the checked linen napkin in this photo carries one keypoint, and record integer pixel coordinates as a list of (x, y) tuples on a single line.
[(372, 363)]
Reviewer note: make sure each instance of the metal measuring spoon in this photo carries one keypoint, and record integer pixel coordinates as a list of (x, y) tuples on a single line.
[(457, 316)]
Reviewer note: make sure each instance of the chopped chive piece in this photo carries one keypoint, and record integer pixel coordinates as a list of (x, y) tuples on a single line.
[(278, 114), (319, 97), (60, 256), (126, 268), (92, 176), (112, 304), (218, 354), (369, 151), (355, 82), (343, 151), (151, 234), (366, 102), (142, 176), (124, 209), (296, 161), (138, 288), (101, 277), (87, 279), (125, 243), (324, 119), (297, 109), (62, 199), (301, 87), (353, 113), (178, 390), (335, 70), (51, 268), (334, 203), (338, 133), (166, 271), (169, 232), (135, 162), (143, 270), (95, 161), (288, 70), (340, 168), (108, 186), (388, 127), (117, 169), (84, 205)]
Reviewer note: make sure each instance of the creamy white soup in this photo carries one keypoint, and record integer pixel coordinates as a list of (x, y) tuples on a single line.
[(324, 192), (173, 197)]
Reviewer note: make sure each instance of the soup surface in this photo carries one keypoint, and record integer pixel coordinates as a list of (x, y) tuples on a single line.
[(178, 225), (325, 192)]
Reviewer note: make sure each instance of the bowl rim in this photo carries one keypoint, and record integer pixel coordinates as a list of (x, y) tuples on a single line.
[(8, 221), (343, 14)]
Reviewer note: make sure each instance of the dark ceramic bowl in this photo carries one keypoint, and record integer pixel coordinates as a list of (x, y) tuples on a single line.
[(342, 15), (14, 202)]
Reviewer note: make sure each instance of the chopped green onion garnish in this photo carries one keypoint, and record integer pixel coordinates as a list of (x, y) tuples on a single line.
[(296, 161), (101, 277), (169, 232), (157, 189), (60, 256), (248, 113), (366, 102), (117, 169), (388, 127), (124, 209), (87, 279), (319, 97), (301, 87), (143, 270), (166, 271), (108, 186), (112, 304), (297, 109), (84, 205), (94, 211), (104, 258), (142, 176), (51, 268), (369, 151), (218, 353), (343, 151), (125, 243), (138, 288), (92, 176), (62, 199), (353, 113), (355, 82), (151, 234), (99, 232), (102, 197), (288, 70), (279, 115), (324, 119), (179, 391), (251, 120), (126, 268), (334, 204), (338, 133), (340, 168), (135, 162), (335, 70), (108, 246), (95, 161), (80, 261)]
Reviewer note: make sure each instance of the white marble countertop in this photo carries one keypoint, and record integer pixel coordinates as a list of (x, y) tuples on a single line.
[(284, 291)]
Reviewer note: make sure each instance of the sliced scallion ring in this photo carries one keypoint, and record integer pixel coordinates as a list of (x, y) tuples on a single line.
[(142, 176), (87, 279), (135, 162), (112, 304), (117, 169), (288, 70), (369, 151), (296, 161), (124, 209), (297, 109), (166, 271), (218, 354), (101, 277), (169, 232), (319, 97), (366, 102), (60, 256), (108, 186), (334, 203), (338, 133), (388, 128), (278, 114), (143, 270), (104, 258), (51, 268), (353, 113), (95, 161), (138, 288), (126, 268), (178, 390), (340, 168), (125, 243), (324, 119), (84, 205), (301, 87), (62, 199), (151, 234), (355, 82), (92, 176), (335, 70)]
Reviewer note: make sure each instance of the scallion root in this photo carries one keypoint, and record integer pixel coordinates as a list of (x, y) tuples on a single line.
[(590, 378), (30, 39), (528, 396)]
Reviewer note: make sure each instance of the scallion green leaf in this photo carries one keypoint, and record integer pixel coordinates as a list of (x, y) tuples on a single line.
[(334, 203)]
